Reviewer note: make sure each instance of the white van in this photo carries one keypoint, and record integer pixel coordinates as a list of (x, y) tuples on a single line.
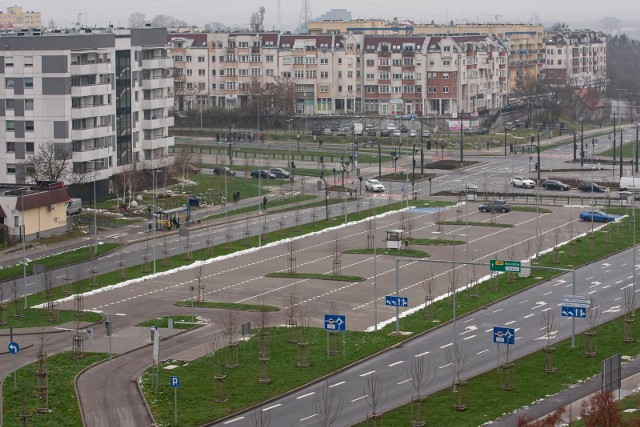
[(630, 183), (74, 206)]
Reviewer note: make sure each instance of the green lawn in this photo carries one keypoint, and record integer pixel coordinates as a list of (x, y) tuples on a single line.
[(63, 404), (334, 277), (414, 253), (226, 306), (179, 322)]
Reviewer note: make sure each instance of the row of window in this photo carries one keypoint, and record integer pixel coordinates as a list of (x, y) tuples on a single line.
[(9, 82), (9, 104), (11, 125), (11, 147)]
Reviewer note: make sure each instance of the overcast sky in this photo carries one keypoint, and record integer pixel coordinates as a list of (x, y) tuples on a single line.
[(238, 12)]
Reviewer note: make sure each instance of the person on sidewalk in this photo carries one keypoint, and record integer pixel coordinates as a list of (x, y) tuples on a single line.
[(223, 200), (264, 202)]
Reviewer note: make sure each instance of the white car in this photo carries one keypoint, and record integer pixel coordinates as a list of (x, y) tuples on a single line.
[(391, 127), (374, 185), (413, 133), (518, 181)]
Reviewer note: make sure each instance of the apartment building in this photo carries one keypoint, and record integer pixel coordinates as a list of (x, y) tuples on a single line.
[(105, 95), (352, 74), (15, 17), (576, 58), (190, 53), (526, 42)]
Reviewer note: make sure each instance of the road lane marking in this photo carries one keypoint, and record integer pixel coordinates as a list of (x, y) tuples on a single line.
[(468, 338), (509, 323), (271, 407), (234, 420), (528, 315), (522, 302), (367, 373), (446, 345), (308, 418), (421, 354), (405, 381), (337, 384), (444, 366), (305, 395), (495, 311), (396, 363), (483, 351), (359, 398)]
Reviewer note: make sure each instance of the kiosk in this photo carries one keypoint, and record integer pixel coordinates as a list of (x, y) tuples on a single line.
[(395, 239)]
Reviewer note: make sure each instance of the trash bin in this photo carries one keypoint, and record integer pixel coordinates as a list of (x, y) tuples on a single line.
[(471, 193)]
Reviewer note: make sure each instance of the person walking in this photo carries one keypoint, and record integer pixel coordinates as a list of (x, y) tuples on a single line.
[(264, 202), (223, 200)]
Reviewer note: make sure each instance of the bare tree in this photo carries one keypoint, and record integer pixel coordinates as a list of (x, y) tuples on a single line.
[(17, 308), (421, 376), (457, 359), (167, 21), (557, 239), (48, 282), (3, 307), (50, 162), (273, 99), (291, 315), (429, 286), (629, 300), (547, 325), (198, 272), (291, 259), (326, 405), (512, 254), (260, 418), (264, 348), (368, 226), (128, 182), (337, 252), (137, 20), (593, 315), (257, 20), (230, 323), (376, 395)]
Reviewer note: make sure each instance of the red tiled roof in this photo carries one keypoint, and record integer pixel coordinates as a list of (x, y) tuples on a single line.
[(41, 198), (589, 97)]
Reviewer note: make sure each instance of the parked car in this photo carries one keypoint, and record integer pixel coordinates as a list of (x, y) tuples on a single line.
[(404, 129), (551, 184), (192, 169), (397, 132), (374, 185), (327, 132), (426, 134), (596, 216), (221, 170), (519, 181), (341, 132), (495, 206), (335, 127), (413, 133), (265, 174), (316, 131), (391, 127), (280, 173), (476, 131), (371, 132), (384, 132), (591, 187)]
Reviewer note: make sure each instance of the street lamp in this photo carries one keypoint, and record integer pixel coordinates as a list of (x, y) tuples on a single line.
[(24, 252), (155, 218), (326, 195)]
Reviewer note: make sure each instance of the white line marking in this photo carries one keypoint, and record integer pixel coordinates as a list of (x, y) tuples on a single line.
[(396, 363), (337, 384), (359, 398), (367, 373), (308, 418), (483, 351), (405, 381), (271, 407), (234, 420), (306, 395), (421, 354)]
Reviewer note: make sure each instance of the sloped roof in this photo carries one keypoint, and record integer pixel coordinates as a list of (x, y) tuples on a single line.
[(589, 97), (41, 198)]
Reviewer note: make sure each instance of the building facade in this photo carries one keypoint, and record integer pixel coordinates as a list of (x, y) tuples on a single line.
[(16, 18), (104, 95), (347, 74)]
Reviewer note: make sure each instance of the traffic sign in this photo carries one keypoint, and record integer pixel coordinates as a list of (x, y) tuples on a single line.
[(575, 301), (335, 322), (14, 348), (503, 265), (396, 301), (504, 335), (580, 312), (174, 381)]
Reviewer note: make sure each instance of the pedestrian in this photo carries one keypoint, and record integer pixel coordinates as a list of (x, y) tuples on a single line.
[(235, 197), (238, 195), (224, 201), (148, 212), (264, 202), (168, 222)]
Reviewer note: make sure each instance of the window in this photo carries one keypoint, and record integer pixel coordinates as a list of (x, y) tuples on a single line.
[(231, 57), (11, 169), (201, 86), (445, 89), (200, 58), (446, 62), (231, 85), (201, 72), (324, 61), (286, 61), (28, 61), (213, 58), (298, 60), (11, 125), (396, 76), (255, 57), (447, 49), (11, 147), (8, 62), (213, 72), (397, 62), (370, 62), (269, 58), (177, 58), (310, 60), (28, 104), (256, 71), (339, 74), (269, 71), (383, 89), (324, 74), (188, 58), (8, 104), (397, 89), (324, 89), (189, 72), (445, 76), (9, 83), (243, 58), (230, 72), (29, 147), (213, 86), (298, 74), (243, 72), (370, 76)]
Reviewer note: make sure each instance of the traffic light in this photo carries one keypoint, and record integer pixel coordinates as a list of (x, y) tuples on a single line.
[(360, 178), (537, 166), (561, 127), (414, 163), (293, 165), (321, 159), (429, 145)]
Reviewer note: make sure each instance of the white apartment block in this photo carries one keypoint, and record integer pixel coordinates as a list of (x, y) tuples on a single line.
[(106, 95), (577, 58), (346, 74)]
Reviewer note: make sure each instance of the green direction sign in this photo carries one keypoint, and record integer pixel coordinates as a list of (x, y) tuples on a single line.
[(502, 265)]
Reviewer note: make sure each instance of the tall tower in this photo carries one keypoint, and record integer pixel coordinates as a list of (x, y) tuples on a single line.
[(279, 16), (305, 16)]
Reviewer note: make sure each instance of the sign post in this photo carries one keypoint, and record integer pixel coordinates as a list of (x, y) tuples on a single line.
[(504, 335), (14, 348), (336, 323), (504, 265), (175, 383)]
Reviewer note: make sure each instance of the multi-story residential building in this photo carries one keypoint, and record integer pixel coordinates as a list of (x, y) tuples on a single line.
[(16, 18), (525, 41), (353, 73), (105, 95), (191, 73), (577, 59)]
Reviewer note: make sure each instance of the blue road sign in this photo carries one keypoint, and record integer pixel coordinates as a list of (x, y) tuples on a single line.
[(580, 312), (504, 335), (174, 381), (396, 301), (335, 322), (14, 348)]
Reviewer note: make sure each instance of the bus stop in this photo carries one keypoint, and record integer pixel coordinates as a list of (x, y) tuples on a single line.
[(172, 218)]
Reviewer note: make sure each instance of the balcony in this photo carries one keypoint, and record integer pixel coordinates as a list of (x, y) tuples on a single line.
[(91, 68), (90, 132), (91, 90), (157, 122), (88, 111), (157, 83), (154, 63), (160, 102), (90, 155), (152, 144)]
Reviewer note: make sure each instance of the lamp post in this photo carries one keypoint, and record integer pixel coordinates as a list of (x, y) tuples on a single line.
[(155, 219), (375, 270), (24, 252), (326, 195)]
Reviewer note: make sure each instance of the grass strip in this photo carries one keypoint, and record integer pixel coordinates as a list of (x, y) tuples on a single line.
[(530, 209), (55, 261), (386, 251), (179, 322), (316, 276), (226, 306), (436, 242), (63, 404)]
